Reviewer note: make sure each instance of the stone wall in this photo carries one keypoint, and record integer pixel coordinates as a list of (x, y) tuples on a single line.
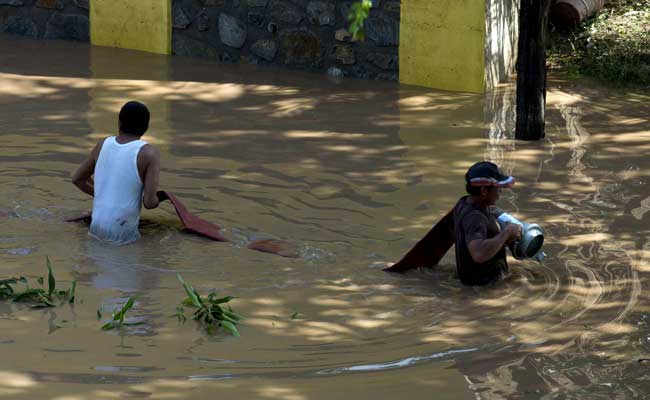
[(49, 19), (306, 34)]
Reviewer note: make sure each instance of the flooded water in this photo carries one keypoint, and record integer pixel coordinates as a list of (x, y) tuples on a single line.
[(352, 173)]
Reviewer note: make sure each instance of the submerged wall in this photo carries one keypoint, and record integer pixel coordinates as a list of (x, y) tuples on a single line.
[(140, 25), (461, 45), (297, 34), (49, 19)]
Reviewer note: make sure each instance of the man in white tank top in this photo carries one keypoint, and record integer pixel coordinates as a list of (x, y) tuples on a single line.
[(122, 174)]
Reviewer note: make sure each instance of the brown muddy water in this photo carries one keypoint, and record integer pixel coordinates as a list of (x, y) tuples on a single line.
[(352, 173)]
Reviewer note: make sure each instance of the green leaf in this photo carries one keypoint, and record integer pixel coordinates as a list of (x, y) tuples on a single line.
[(230, 327), (119, 317), (108, 326), (191, 293), (359, 12), (40, 280), (295, 315), (180, 314), (231, 315), (29, 294), (51, 283), (99, 312), (44, 304), (187, 302), (222, 300), (72, 290)]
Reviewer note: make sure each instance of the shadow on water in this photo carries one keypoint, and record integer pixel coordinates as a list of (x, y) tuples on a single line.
[(353, 171)]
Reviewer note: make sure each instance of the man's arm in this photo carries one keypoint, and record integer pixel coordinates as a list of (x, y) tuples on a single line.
[(83, 176), (151, 159), (483, 250)]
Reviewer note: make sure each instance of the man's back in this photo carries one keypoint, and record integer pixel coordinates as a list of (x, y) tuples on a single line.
[(121, 173), (118, 192)]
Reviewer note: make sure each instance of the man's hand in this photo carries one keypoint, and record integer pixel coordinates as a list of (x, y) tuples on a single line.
[(513, 232), (83, 176), (483, 250)]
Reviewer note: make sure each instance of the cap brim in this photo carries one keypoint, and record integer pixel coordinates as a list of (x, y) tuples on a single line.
[(506, 182)]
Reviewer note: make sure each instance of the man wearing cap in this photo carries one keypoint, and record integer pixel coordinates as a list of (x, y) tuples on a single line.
[(479, 242)]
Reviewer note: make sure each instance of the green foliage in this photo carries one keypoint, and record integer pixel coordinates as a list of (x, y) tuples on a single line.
[(210, 312), (359, 12), (39, 296), (614, 46), (118, 317), (6, 290), (296, 315)]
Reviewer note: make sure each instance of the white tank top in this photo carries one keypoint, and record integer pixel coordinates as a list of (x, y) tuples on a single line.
[(118, 192)]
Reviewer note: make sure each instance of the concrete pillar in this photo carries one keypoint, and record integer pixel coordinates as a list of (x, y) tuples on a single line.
[(139, 25), (459, 45)]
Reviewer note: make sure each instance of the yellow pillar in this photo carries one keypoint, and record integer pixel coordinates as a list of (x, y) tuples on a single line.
[(442, 44), (132, 24)]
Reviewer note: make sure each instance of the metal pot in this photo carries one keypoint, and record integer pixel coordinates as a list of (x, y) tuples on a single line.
[(532, 239)]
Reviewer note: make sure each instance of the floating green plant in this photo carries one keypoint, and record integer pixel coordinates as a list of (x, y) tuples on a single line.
[(295, 315), (39, 296), (118, 317), (180, 314), (210, 310), (6, 290)]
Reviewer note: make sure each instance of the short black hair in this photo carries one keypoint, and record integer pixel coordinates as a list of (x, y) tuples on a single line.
[(134, 118)]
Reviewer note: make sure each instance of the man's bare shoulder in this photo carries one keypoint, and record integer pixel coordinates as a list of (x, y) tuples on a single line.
[(98, 148), (147, 156), (148, 152)]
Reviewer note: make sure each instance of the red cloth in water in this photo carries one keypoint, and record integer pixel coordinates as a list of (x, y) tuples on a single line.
[(431, 248), (190, 221), (209, 230)]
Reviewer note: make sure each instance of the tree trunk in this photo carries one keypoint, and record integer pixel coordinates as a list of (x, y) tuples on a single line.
[(531, 69)]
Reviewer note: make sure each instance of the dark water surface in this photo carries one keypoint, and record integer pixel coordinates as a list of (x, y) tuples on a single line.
[(352, 173)]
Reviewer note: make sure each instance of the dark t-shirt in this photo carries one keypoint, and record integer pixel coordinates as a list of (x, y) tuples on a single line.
[(472, 222)]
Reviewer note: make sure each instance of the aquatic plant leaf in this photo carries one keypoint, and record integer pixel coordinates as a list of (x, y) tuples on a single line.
[(180, 314), (126, 307), (44, 304), (118, 317), (51, 282), (108, 326), (72, 290), (231, 316), (208, 310), (99, 312), (40, 280), (295, 315), (29, 294), (222, 300), (230, 327), (187, 302), (191, 293)]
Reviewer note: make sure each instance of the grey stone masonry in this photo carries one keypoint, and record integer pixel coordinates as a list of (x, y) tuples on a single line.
[(305, 34), (49, 19)]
